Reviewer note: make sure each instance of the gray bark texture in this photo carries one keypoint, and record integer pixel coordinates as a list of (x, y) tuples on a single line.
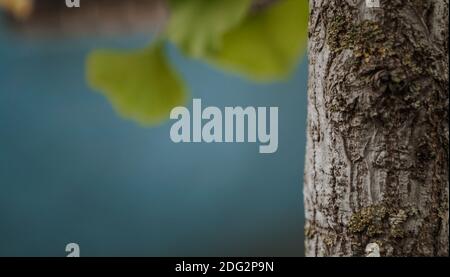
[(377, 141)]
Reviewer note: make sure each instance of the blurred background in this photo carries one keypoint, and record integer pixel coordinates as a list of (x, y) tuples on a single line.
[(73, 170)]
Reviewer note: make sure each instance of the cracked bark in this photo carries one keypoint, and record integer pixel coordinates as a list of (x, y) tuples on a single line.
[(377, 140)]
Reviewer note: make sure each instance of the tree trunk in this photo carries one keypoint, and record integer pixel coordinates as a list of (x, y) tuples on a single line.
[(377, 142)]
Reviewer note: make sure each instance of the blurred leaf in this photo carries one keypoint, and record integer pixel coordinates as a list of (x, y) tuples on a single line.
[(197, 26), (267, 44), (262, 45), (141, 85)]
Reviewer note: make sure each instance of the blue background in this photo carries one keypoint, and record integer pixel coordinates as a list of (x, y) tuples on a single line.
[(72, 170)]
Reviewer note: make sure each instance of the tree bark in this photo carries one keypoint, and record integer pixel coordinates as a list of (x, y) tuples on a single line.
[(377, 141)]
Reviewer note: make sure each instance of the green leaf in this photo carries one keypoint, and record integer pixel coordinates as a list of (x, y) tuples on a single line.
[(267, 45), (141, 85), (197, 26)]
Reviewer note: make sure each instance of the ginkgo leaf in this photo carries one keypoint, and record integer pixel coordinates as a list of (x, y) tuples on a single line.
[(197, 26), (267, 45), (141, 84)]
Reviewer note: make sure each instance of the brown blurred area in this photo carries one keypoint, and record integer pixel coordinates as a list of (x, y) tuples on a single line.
[(37, 17), (94, 16)]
